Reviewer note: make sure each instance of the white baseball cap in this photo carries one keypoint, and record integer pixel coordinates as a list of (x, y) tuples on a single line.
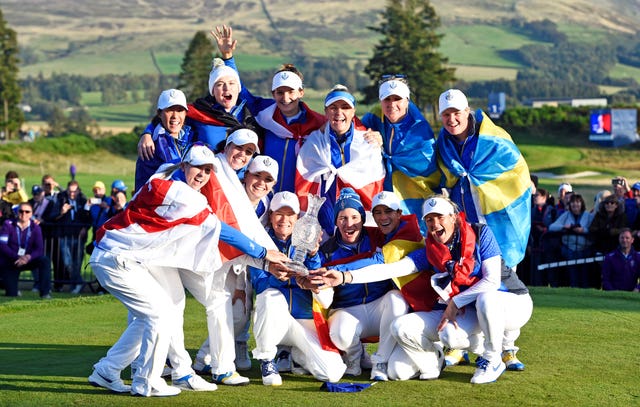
[(172, 97), (452, 98), (264, 163), (286, 78), (437, 205), (199, 155), (285, 198), (219, 70), (386, 198), (393, 87), (566, 187), (241, 137)]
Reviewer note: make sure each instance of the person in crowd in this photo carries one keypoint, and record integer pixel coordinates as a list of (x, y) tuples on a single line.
[(606, 225), (50, 186), (286, 119), (336, 156), (22, 248), (621, 267), (359, 311), (12, 191), (72, 222), (140, 269), (473, 293), (41, 206), (574, 223), (632, 205), (600, 196), (539, 213), (621, 189), (171, 138), (227, 197), (564, 193), (283, 314), (469, 145), (408, 145)]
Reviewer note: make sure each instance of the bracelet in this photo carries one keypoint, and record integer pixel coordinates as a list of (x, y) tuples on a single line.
[(343, 280)]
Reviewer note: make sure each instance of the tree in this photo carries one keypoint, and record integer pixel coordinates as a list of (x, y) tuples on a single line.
[(409, 46), (196, 65), (11, 117)]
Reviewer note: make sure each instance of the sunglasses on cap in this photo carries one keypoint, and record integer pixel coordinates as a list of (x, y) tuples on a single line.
[(390, 77)]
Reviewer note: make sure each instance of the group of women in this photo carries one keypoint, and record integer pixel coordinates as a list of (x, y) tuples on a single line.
[(203, 200)]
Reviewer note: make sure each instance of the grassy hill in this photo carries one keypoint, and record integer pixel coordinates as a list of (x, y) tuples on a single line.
[(118, 37)]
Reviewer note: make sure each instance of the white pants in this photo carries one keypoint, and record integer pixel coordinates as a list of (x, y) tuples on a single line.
[(227, 323), (498, 315), (273, 325), (149, 332), (347, 326)]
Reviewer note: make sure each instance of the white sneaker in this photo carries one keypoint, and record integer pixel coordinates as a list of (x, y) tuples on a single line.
[(230, 379), (379, 372), (353, 368), (243, 361), (194, 382), (114, 384), (162, 391), (487, 372), (269, 372)]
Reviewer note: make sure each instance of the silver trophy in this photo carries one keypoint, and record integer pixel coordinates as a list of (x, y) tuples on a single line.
[(305, 235)]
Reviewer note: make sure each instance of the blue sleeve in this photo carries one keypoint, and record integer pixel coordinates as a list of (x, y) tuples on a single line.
[(419, 257), (371, 121), (241, 242), (377, 258), (313, 262), (149, 129), (488, 245)]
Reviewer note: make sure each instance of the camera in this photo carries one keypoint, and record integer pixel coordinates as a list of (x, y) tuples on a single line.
[(617, 181)]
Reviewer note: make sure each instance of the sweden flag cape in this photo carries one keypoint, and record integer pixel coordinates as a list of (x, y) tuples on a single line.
[(500, 184)]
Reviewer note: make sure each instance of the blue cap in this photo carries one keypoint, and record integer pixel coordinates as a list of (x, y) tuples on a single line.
[(348, 199), (636, 186), (36, 189), (119, 185)]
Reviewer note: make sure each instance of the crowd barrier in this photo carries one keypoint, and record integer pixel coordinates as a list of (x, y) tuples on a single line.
[(65, 246)]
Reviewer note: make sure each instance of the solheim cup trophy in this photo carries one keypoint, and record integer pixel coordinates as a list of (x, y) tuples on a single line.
[(306, 233)]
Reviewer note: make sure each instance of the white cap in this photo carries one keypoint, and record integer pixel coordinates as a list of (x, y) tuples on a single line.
[(264, 163), (286, 78), (566, 187), (199, 155), (219, 70), (393, 87), (386, 198), (172, 97), (452, 98), (241, 137), (437, 205), (285, 198)]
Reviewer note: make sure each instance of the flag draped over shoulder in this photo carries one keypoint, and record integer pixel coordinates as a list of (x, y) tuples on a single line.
[(500, 185), (315, 173), (415, 288)]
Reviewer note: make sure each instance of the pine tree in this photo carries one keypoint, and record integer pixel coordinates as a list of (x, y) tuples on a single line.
[(196, 65), (11, 117), (409, 47)]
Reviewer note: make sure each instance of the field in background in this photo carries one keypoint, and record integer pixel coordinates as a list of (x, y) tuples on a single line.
[(48, 349)]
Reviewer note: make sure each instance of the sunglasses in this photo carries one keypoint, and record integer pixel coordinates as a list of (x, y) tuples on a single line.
[(23, 211), (398, 77)]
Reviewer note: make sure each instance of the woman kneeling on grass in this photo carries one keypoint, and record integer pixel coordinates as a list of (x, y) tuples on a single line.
[(167, 226)]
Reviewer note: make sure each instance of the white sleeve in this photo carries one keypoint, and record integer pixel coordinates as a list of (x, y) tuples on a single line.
[(490, 281), (324, 297), (380, 272)]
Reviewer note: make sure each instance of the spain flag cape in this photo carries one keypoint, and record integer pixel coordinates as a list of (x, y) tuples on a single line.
[(500, 185)]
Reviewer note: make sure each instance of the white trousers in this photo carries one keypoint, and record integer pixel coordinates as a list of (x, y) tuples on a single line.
[(347, 326), (497, 315), (148, 334), (273, 325)]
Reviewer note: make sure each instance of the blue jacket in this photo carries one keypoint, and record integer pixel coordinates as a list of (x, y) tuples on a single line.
[(353, 294), (299, 300)]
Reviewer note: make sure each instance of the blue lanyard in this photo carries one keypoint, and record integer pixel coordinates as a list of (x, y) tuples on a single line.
[(28, 236)]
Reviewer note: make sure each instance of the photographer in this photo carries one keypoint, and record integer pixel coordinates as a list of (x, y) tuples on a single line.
[(574, 223), (621, 189), (12, 191)]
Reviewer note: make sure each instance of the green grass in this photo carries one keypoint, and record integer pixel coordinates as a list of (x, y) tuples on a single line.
[(625, 71), (578, 348)]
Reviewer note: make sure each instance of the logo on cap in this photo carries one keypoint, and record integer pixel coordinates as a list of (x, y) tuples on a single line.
[(432, 202), (267, 161), (382, 195), (284, 75), (393, 84), (449, 96)]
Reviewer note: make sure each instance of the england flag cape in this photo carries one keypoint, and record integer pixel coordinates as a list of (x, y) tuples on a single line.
[(167, 224), (315, 174)]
